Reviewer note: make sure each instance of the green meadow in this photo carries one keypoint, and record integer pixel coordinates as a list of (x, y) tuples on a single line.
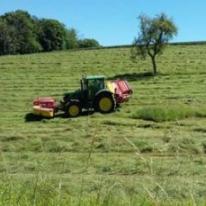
[(151, 151)]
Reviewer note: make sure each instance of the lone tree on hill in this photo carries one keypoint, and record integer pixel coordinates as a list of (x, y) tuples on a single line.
[(154, 35)]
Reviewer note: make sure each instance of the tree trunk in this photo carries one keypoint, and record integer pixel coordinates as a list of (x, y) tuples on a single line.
[(154, 65)]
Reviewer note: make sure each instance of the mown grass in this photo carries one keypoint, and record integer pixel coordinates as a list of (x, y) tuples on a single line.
[(115, 159)]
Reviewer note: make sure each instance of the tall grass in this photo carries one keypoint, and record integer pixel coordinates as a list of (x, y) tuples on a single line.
[(40, 191), (168, 113)]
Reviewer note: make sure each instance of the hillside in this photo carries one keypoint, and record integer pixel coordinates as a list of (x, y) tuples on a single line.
[(114, 159)]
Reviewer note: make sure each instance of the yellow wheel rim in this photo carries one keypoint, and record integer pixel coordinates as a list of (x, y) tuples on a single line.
[(105, 104), (73, 110)]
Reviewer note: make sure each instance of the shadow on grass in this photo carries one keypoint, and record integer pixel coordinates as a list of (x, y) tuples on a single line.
[(33, 118), (133, 76), (30, 117)]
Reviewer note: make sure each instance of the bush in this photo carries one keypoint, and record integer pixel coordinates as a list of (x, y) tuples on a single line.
[(88, 43), (168, 113)]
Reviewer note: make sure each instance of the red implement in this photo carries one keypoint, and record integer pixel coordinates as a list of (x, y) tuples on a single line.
[(44, 106), (45, 102), (122, 91)]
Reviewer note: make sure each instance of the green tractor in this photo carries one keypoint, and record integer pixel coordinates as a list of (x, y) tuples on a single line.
[(93, 94)]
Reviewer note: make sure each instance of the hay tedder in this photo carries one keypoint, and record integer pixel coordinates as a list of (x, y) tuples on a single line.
[(95, 94)]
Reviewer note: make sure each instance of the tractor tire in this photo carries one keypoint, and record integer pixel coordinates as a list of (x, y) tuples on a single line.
[(104, 102), (73, 109)]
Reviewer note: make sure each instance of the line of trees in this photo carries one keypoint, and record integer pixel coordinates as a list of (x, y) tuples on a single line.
[(21, 33)]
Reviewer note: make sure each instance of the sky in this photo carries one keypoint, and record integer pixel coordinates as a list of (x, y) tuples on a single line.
[(114, 22)]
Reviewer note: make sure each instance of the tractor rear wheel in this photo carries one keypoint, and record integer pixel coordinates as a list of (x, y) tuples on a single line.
[(73, 109), (105, 103)]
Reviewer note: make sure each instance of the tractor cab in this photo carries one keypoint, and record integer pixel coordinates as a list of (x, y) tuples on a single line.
[(90, 85)]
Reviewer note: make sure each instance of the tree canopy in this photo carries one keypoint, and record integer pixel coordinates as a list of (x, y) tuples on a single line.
[(52, 35)]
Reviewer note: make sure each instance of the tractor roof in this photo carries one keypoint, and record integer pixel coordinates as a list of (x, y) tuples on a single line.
[(95, 77)]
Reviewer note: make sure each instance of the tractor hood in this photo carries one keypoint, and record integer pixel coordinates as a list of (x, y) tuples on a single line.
[(72, 95)]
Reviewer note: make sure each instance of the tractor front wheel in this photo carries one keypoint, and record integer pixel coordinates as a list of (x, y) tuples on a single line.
[(73, 109), (105, 103)]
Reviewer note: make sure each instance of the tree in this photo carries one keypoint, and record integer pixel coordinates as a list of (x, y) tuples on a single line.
[(8, 43), (52, 35), (24, 30), (71, 39), (154, 35), (88, 43)]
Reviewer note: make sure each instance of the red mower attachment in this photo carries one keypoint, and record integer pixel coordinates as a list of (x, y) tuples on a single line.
[(44, 106), (122, 91)]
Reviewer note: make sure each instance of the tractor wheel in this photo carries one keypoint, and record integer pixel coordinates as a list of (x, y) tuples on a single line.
[(105, 103), (73, 109)]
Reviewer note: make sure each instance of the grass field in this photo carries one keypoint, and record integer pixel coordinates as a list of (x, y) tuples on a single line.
[(150, 152)]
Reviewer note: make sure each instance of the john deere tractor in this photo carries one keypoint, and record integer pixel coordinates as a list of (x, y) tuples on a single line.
[(95, 94)]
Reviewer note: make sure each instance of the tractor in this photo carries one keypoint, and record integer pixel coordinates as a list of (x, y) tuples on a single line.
[(95, 94)]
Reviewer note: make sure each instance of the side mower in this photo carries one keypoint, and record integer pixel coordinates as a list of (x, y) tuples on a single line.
[(95, 94)]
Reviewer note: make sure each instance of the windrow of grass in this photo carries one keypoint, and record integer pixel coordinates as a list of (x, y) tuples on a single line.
[(168, 112)]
